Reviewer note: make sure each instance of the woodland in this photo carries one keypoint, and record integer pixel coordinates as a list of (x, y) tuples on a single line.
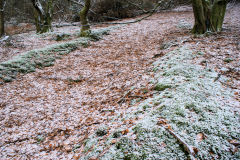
[(120, 79)]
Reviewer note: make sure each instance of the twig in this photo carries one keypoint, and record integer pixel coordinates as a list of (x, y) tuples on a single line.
[(15, 141), (135, 96), (107, 110), (187, 148), (190, 149), (137, 6), (217, 78), (125, 95), (78, 3)]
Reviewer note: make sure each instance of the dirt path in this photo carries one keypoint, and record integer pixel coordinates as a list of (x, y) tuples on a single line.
[(45, 114)]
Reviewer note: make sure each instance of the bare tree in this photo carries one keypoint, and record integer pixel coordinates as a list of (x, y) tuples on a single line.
[(2, 6), (83, 17), (209, 15), (43, 15)]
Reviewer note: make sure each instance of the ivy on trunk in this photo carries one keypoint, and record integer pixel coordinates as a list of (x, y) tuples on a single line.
[(43, 16), (209, 15)]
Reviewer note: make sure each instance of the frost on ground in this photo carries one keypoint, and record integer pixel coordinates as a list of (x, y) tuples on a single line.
[(70, 109), (191, 103), (28, 62)]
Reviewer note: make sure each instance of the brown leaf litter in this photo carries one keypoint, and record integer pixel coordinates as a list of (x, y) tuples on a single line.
[(46, 118)]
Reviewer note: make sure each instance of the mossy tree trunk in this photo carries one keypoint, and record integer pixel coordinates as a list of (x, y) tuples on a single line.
[(2, 5), (43, 16), (85, 29), (209, 15)]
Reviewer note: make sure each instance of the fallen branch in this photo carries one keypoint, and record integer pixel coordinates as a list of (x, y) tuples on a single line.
[(140, 19), (189, 149)]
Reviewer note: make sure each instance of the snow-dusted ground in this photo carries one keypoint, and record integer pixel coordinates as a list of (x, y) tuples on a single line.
[(46, 115), (190, 103)]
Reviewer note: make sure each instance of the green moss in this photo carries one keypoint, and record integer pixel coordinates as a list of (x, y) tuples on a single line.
[(189, 112), (40, 139), (62, 36), (138, 112), (101, 132), (155, 69), (117, 134), (28, 62), (200, 53), (180, 111), (146, 107), (228, 60), (157, 103), (161, 87)]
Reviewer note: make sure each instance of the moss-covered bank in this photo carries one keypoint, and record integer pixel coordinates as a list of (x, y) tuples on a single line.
[(28, 62), (192, 104)]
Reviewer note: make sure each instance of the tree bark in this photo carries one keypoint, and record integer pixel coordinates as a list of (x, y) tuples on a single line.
[(2, 5), (43, 16), (209, 15), (218, 14), (83, 17)]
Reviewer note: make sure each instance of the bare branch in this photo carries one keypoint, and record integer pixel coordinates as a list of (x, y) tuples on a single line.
[(38, 6), (140, 19), (76, 2), (4, 4), (137, 6)]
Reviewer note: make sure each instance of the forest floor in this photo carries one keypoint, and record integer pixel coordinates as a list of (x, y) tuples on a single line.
[(50, 113)]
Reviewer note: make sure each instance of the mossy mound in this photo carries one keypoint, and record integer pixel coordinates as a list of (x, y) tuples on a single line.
[(28, 62), (195, 105)]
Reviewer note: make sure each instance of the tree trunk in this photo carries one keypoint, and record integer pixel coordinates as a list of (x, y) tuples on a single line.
[(83, 17), (43, 16), (2, 5), (209, 15), (218, 13)]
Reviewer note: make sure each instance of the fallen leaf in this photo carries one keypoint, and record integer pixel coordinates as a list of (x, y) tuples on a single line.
[(126, 131), (162, 121), (234, 142), (200, 137), (76, 157), (114, 141), (163, 145)]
